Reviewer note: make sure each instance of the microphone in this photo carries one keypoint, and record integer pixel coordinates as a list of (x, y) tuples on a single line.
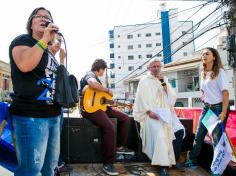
[(46, 25), (162, 82)]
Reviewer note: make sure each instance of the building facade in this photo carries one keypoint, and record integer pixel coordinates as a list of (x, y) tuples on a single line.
[(184, 76), (132, 46), (5, 81)]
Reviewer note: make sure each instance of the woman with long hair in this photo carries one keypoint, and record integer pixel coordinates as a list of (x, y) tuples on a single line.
[(215, 95)]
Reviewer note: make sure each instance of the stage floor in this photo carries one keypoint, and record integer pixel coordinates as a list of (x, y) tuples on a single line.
[(126, 169)]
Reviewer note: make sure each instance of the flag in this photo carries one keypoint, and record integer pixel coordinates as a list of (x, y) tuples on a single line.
[(223, 150), (210, 121), (222, 155)]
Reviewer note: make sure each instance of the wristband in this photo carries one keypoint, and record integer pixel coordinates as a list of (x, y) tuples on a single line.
[(42, 44)]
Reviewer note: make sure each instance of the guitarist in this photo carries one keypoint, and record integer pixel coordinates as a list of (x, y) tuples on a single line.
[(102, 119)]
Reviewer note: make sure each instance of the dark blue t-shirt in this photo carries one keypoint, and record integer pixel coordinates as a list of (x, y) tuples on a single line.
[(30, 97)]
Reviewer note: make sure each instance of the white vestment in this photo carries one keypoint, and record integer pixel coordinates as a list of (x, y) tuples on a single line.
[(156, 135)]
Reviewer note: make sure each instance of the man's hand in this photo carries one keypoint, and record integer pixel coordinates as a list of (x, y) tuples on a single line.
[(152, 115)]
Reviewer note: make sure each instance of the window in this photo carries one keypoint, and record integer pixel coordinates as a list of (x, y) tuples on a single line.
[(118, 36), (149, 56), (130, 68), (118, 46), (131, 57), (112, 55), (148, 34), (112, 75), (119, 67), (149, 45), (140, 67), (158, 44), (185, 53), (184, 32), (159, 55), (112, 65), (119, 57), (184, 43), (129, 36), (139, 45), (172, 82), (130, 47), (196, 83), (112, 86), (158, 33), (140, 56), (111, 45), (139, 35), (111, 34)]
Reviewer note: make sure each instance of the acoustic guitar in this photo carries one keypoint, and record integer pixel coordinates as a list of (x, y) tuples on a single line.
[(94, 100)]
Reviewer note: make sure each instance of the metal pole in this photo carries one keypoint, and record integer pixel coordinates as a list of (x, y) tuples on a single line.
[(232, 9)]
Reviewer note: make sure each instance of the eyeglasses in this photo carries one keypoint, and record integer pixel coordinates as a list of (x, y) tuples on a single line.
[(41, 17)]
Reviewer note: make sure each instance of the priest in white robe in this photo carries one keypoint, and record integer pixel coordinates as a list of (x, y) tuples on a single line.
[(156, 129)]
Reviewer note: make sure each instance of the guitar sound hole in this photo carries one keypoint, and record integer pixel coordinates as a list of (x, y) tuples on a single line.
[(103, 100)]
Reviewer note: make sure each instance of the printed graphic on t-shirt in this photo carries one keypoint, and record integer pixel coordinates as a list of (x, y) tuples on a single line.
[(50, 80)]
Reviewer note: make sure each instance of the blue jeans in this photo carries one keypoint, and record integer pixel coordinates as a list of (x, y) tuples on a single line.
[(37, 145), (177, 143), (202, 131)]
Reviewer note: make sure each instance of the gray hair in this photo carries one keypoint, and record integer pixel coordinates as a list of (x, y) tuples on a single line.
[(155, 59)]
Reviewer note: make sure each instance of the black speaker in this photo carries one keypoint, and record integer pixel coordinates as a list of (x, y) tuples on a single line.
[(188, 125), (134, 142), (189, 136), (230, 171), (80, 141), (205, 157)]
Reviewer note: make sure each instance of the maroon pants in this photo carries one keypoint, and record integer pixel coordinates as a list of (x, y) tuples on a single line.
[(102, 119)]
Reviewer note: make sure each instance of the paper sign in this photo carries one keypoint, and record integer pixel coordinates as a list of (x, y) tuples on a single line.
[(164, 114)]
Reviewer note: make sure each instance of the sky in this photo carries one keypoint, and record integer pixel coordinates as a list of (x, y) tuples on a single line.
[(85, 24)]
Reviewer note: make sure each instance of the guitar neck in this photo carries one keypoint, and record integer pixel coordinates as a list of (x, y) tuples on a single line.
[(111, 102)]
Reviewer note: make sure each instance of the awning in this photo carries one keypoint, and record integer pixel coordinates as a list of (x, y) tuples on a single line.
[(187, 66)]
